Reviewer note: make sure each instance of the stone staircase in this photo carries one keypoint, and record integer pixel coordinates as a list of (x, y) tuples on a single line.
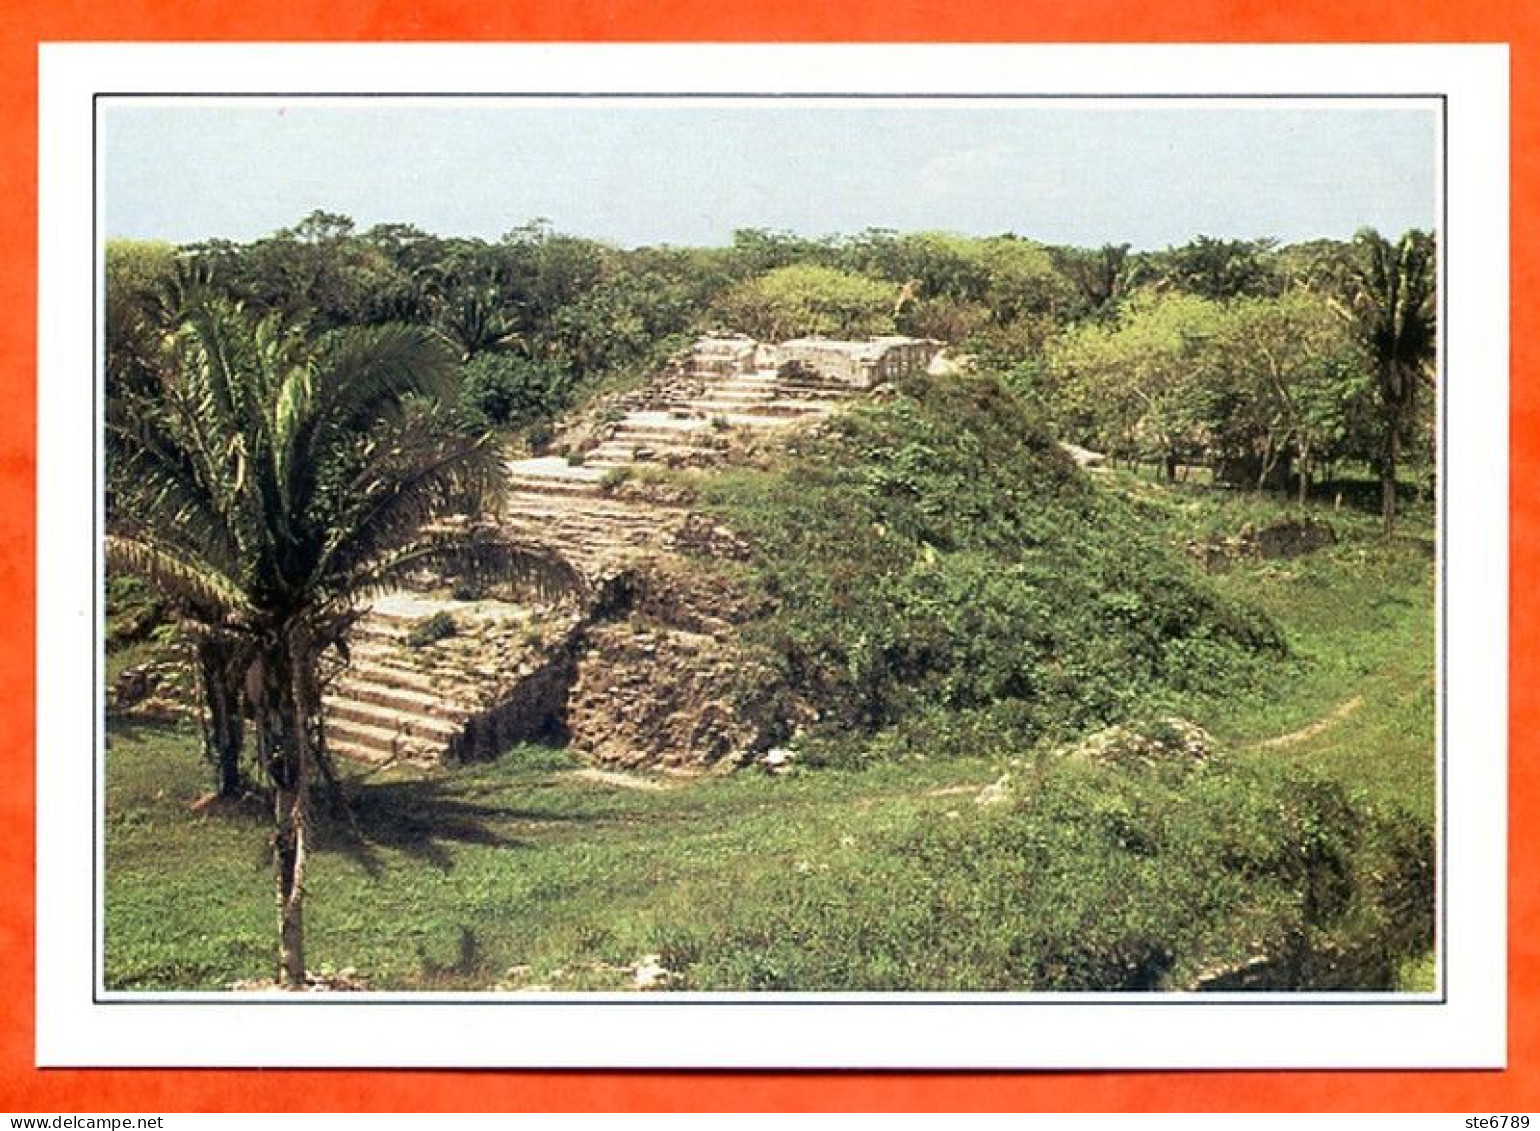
[(505, 673), (452, 699), (725, 388)]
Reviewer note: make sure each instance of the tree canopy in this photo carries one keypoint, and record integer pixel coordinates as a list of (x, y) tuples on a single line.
[(1217, 351)]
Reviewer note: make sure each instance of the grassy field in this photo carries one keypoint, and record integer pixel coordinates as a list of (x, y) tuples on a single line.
[(527, 874), (1359, 617)]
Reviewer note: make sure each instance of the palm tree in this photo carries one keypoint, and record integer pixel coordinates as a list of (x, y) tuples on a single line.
[(1391, 303), (143, 307), (474, 320), (273, 484)]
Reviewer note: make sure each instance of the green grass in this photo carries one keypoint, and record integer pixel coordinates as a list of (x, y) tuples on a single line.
[(891, 877), (448, 881), (1359, 619)]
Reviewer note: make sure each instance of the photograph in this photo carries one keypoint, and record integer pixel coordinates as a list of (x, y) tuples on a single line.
[(668, 557), (593, 546)]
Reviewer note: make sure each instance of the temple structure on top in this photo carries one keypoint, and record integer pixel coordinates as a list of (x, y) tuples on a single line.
[(860, 364)]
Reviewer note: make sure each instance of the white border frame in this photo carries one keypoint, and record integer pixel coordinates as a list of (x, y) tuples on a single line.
[(1464, 1026)]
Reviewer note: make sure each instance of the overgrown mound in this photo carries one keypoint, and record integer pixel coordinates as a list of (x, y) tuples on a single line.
[(1230, 874), (943, 576)]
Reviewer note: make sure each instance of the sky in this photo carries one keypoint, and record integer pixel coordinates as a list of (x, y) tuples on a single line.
[(691, 171)]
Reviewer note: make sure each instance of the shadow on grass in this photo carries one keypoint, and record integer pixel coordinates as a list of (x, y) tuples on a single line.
[(127, 726), (1363, 495), (469, 963), (422, 819)]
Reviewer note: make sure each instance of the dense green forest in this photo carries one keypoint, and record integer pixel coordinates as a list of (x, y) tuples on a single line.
[(1274, 365), (1186, 761)]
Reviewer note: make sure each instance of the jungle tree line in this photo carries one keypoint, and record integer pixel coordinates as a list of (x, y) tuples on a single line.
[(1272, 365)]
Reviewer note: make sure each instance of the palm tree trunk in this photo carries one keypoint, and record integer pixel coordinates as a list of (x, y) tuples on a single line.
[(1388, 473), (289, 850), (284, 747), (223, 727)]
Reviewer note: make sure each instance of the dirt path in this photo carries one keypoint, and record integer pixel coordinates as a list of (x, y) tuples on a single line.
[(617, 779), (1305, 733), (1338, 713)]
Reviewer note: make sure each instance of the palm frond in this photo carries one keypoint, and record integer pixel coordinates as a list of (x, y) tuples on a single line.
[(482, 555), (156, 488), (276, 477), (187, 582), (359, 378), (411, 474)]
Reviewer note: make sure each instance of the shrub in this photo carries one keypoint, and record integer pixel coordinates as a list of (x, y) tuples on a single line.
[(938, 565), (800, 299), (506, 390), (431, 629), (540, 437), (1234, 872)]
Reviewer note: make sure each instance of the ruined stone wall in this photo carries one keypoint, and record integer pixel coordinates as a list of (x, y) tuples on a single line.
[(724, 356), (901, 357), (862, 364), (838, 360)]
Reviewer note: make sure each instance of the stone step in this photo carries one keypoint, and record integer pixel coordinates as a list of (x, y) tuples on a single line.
[(670, 420), (387, 629), (538, 502), (624, 443), (542, 524), (769, 418), (830, 390), (719, 410), (377, 644), (657, 437), (409, 723), (541, 485), (730, 412), (356, 752), (553, 532), (386, 739), (598, 508), (644, 451), (453, 684), (609, 460), (551, 474), (377, 632), (383, 691), (387, 666), (747, 386), (547, 467), (409, 607), (661, 425), (556, 502), (581, 514), (364, 747), (723, 393), (820, 404)]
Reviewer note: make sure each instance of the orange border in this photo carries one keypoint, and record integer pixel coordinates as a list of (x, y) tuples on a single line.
[(25, 23)]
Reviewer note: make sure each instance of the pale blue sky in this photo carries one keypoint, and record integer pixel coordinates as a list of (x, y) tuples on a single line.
[(682, 172)]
